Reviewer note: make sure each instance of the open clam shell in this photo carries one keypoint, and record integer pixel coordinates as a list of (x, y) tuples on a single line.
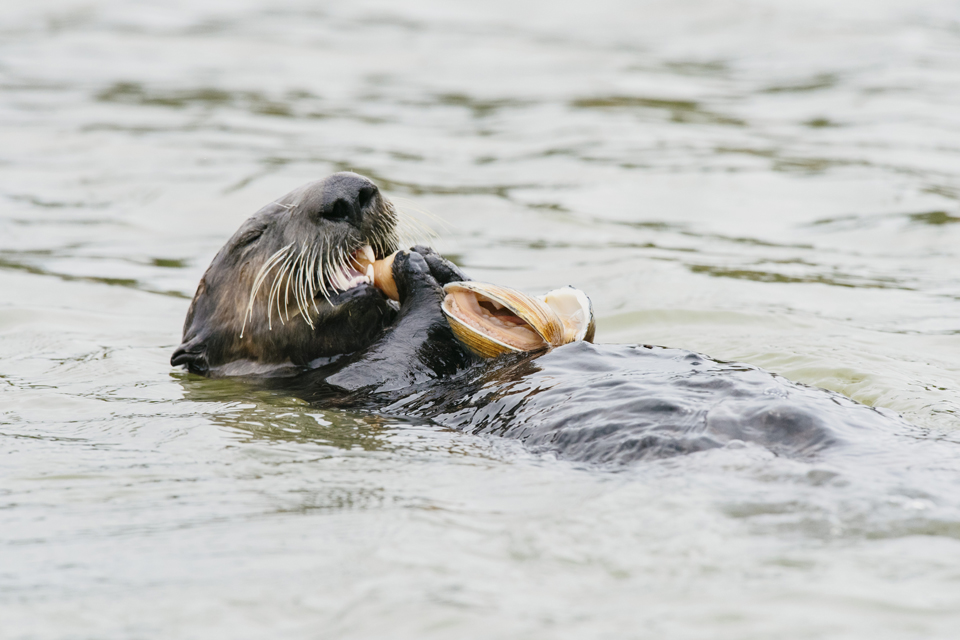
[(491, 319)]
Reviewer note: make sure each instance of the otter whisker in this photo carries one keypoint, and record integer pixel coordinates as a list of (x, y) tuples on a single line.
[(311, 277), (261, 277), (337, 270), (330, 272), (345, 260), (383, 244), (321, 265), (275, 292), (285, 279), (409, 229), (406, 206), (286, 294), (344, 268), (299, 285), (304, 286), (384, 238), (322, 269), (412, 231), (270, 295), (337, 273), (299, 289)]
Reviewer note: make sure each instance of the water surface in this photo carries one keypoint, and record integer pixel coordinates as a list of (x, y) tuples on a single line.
[(770, 182)]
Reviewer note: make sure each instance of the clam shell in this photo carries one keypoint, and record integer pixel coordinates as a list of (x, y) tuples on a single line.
[(483, 345), (538, 315), (575, 310)]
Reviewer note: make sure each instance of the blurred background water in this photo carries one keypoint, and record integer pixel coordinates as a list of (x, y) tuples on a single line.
[(766, 181)]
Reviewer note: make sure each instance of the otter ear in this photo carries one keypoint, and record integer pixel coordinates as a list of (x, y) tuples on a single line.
[(193, 354)]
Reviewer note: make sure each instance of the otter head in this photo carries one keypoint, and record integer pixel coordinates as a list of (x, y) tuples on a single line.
[(287, 290)]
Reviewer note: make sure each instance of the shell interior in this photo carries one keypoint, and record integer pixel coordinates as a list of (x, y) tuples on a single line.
[(493, 320), (490, 319), (575, 311)]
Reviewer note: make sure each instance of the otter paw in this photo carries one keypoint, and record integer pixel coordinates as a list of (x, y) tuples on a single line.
[(413, 277), (442, 269), (424, 250)]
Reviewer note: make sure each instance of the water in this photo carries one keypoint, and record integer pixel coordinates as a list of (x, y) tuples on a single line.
[(771, 182)]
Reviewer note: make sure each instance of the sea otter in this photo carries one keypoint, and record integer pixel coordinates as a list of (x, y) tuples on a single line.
[(285, 300)]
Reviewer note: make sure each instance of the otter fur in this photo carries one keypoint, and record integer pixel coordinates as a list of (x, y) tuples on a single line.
[(281, 302)]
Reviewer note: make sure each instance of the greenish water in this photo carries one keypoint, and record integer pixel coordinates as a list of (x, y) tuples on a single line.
[(771, 182)]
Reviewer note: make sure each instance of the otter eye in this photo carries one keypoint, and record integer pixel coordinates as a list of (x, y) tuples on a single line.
[(248, 237), (365, 196)]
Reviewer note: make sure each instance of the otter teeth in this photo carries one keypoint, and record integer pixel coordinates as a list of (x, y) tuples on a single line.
[(359, 271), (350, 278)]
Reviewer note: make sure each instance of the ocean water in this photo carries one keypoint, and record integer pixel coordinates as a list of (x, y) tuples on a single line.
[(765, 181)]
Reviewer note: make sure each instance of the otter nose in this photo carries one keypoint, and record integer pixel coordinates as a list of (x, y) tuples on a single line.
[(345, 195)]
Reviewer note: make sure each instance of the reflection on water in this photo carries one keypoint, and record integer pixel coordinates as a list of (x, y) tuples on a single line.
[(769, 182), (252, 412)]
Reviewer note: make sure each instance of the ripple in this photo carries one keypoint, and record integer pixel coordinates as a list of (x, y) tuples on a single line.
[(680, 111)]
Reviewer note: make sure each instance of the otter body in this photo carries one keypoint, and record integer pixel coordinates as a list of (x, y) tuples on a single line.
[(321, 333)]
